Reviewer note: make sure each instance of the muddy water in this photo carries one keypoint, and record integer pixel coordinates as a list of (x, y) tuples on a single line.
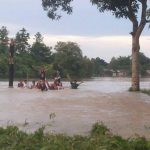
[(100, 99)]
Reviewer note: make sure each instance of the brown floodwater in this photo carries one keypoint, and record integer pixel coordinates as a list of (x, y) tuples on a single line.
[(105, 100)]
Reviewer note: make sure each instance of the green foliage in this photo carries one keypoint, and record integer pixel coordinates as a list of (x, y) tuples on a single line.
[(12, 138), (128, 9), (38, 38), (119, 8), (146, 91), (69, 57), (124, 63), (88, 67), (41, 53), (140, 144), (3, 66), (121, 63), (99, 65), (54, 6), (144, 64), (3, 40), (99, 129), (22, 45), (23, 63), (3, 34)]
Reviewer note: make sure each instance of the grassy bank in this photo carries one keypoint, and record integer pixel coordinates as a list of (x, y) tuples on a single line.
[(100, 138), (146, 91)]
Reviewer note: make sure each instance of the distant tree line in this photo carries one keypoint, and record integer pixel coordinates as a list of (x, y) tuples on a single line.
[(66, 57)]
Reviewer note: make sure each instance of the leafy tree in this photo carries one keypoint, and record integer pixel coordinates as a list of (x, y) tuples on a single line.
[(128, 9), (3, 66), (69, 57), (3, 39), (144, 64), (22, 45), (23, 63), (124, 63), (38, 38), (99, 66), (120, 63), (40, 52), (88, 67)]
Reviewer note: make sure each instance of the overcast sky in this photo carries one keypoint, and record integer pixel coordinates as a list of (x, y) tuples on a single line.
[(98, 34)]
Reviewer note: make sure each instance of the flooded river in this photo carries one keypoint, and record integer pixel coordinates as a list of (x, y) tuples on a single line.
[(74, 111)]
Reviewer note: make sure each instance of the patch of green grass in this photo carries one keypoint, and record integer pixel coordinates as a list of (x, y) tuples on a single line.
[(146, 91), (100, 138)]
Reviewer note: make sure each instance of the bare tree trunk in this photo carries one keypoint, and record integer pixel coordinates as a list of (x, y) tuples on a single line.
[(11, 71), (11, 75), (137, 30), (135, 64)]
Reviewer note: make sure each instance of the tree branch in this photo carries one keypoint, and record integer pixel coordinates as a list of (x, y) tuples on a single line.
[(144, 9), (132, 17), (143, 17)]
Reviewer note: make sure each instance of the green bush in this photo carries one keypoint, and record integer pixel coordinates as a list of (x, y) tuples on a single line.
[(100, 138), (146, 91)]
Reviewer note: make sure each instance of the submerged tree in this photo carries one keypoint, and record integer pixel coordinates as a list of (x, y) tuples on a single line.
[(128, 9)]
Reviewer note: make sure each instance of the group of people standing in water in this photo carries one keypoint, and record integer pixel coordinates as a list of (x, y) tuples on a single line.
[(42, 83)]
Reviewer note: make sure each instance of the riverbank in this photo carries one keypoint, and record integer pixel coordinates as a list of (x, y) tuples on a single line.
[(99, 137)]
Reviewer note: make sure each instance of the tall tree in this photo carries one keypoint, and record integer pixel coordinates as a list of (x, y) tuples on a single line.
[(3, 39), (121, 62), (38, 38), (99, 66), (128, 9), (40, 52), (69, 57), (22, 45)]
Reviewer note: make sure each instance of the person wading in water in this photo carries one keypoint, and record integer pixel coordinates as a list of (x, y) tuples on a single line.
[(42, 74), (75, 84)]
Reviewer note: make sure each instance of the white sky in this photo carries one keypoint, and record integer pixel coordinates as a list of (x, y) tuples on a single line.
[(98, 35)]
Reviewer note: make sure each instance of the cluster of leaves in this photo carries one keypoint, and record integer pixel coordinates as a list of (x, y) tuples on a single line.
[(53, 7), (119, 8), (100, 138)]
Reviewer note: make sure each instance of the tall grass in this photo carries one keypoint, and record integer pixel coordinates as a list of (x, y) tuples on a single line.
[(146, 91), (100, 138)]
